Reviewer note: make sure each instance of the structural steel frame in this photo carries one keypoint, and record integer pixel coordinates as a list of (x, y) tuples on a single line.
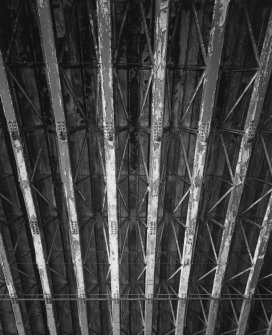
[(158, 90), (106, 78), (53, 79), (254, 110), (21, 164), (207, 105)]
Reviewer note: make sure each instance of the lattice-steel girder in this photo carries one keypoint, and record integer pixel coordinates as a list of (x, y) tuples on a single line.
[(106, 77), (253, 115), (4, 263), (207, 105), (54, 85), (158, 91), (255, 269), (24, 178)]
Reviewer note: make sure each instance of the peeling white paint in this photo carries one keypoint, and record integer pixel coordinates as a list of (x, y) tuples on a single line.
[(253, 115), (52, 73), (26, 190), (207, 104), (106, 76), (159, 72)]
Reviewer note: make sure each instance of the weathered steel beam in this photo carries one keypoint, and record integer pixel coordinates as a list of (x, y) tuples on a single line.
[(53, 79), (255, 270), (106, 77), (19, 154), (4, 263), (158, 91), (253, 115), (206, 111)]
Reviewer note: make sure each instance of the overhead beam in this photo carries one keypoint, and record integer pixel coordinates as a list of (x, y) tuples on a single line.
[(106, 78), (207, 105), (158, 91), (24, 179), (53, 79), (252, 120), (4, 263)]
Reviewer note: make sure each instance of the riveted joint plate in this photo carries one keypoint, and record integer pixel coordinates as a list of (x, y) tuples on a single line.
[(61, 131), (116, 298), (113, 227), (150, 298), (13, 130), (250, 134), (204, 130), (109, 130), (13, 298), (81, 298), (152, 228), (158, 130), (156, 185), (74, 226), (47, 299), (34, 227)]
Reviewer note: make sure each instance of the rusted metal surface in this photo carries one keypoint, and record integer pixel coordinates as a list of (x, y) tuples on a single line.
[(53, 79), (24, 179), (207, 105), (4, 263), (253, 115), (158, 90), (106, 77)]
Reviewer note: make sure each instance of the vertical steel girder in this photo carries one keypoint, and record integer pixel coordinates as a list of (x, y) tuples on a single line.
[(106, 77), (253, 115), (206, 111), (24, 179), (4, 263), (53, 79), (158, 90)]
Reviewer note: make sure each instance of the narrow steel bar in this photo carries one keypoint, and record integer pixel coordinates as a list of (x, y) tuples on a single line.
[(24, 178), (207, 105), (53, 79), (4, 263), (253, 115), (106, 77), (158, 91)]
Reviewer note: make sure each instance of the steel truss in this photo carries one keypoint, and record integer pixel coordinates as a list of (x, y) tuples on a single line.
[(27, 194)]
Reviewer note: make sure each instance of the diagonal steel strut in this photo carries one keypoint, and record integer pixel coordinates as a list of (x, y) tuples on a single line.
[(206, 111), (158, 90), (253, 116), (53, 79), (21, 164), (106, 77)]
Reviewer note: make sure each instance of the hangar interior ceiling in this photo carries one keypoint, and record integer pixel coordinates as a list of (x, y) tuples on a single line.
[(135, 167)]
